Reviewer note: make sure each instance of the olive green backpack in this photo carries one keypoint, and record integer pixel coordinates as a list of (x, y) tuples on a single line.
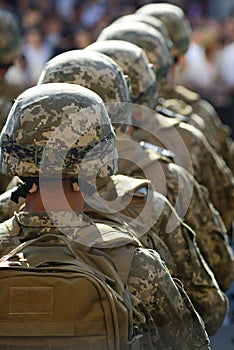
[(53, 297)]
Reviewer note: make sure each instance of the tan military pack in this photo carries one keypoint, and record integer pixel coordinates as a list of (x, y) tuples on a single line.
[(56, 296)]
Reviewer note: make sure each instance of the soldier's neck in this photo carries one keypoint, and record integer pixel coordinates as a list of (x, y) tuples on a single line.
[(55, 196)]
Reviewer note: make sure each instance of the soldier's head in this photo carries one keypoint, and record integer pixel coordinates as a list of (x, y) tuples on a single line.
[(150, 20), (144, 36), (58, 131), (175, 21), (10, 39), (97, 72), (135, 64)]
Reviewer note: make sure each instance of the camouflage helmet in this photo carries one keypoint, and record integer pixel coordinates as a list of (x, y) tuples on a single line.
[(58, 130), (97, 72), (145, 36), (133, 61), (10, 39), (152, 21), (177, 25)]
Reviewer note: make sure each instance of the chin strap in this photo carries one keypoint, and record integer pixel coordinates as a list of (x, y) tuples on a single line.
[(23, 189)]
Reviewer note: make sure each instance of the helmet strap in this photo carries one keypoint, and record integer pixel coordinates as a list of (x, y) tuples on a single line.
[(23, 189)]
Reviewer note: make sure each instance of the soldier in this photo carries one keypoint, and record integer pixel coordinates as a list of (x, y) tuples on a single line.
[(147, 211), (10, 49), (203, 162), (10, 45), (158, 49), (196, 209), (57, 138), (182, 108), (173, 17), (152, 21)]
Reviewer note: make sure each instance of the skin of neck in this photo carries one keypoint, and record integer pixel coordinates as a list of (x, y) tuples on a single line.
[(55, 195)]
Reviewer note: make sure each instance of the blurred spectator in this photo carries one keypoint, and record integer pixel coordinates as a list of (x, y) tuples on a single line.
[(53, 28), (18, 73), (200, 66), (37, 52), (65, 8), (227, 72), (82, 38), (92, 12), (227, 57), (66, 42)]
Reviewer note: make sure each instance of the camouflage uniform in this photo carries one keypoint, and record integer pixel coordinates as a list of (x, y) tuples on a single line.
[(207, 167), (144, 36), (10, 48), (73, 67), (7, 206), (10, 43), (190, 201), (68, 124), (168, 178), (218, 134), (152, 21), (157, 45)]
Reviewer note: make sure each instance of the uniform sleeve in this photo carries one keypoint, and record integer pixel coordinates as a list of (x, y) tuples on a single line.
[(198, 280), (204, 219), (177, 321), (210, 170)]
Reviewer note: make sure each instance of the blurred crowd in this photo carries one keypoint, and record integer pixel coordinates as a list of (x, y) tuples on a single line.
[(53, 26), (208, 66)]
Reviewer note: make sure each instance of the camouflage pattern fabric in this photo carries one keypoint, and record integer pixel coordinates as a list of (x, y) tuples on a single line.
[(127, 58), (98, 73), (11, 37), (143, 283), (134, 63), (207, 167), (5, 106), (35, 127), (221, 140), (127, 33), (178, 107), (132, 60), (7, 206), (50, 107), (216, 132), (145, 36), (177, 25), (188, 264), (197, 211), (154, 22), (179, 326), (203, 115)]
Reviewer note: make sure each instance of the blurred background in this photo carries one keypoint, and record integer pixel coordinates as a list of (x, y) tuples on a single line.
[(52, 26)]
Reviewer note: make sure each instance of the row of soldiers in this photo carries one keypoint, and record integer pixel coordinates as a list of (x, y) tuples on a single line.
[(107, 140)]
